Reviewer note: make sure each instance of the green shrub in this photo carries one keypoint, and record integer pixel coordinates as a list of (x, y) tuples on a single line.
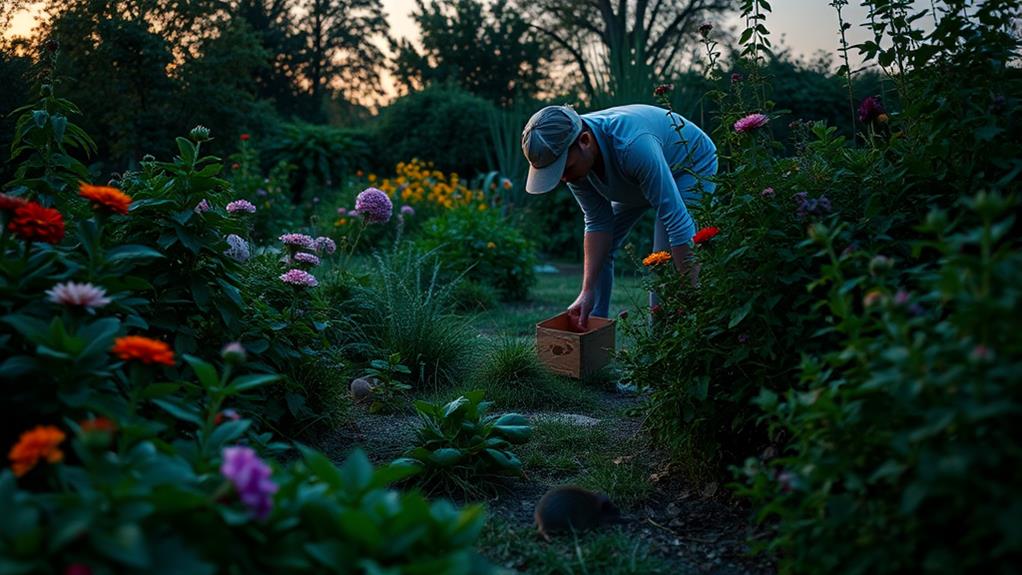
[(323, 155), (407, 310), (904, 441), (483, 246), (443, 123), (470, 296), (460, 449)]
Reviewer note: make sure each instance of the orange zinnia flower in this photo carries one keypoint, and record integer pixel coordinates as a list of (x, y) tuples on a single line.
[(143, 349), (105, 197), (704, 235), (33, 222), (657, 258), (36, 444)]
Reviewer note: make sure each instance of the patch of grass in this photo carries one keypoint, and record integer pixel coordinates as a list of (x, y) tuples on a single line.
[(589, 457), (514, 378), (610, 551), (562, 448)]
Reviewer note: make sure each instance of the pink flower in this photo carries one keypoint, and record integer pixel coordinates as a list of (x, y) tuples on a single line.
[(306, 258), (298, 240), (374, 205), (407, 210), (239, 206), (297, 277), (202, 207), (79, 295), (341, 211), (233, 352), (751, 122), (767, 193)]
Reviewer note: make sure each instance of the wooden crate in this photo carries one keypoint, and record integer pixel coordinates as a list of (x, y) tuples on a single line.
[(568, 352)]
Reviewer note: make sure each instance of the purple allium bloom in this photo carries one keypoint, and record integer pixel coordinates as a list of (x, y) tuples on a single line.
[(251, 479), (374, 205), (238, 206), (306, 258), (353, 214), (202, 207), (297, 277), (298, 240), (751, 122), (324, 244), (262, 193), (407, 210), (79, 295), (341, 211), (767, 193), (239, 248), (870, 109)]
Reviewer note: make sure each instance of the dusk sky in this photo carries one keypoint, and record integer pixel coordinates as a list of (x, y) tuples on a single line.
[(805, 25)]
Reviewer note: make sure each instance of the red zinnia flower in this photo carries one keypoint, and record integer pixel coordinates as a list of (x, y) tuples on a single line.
[(143, 349), (705, 234), (106, 197), (245, 137), (33, 222)]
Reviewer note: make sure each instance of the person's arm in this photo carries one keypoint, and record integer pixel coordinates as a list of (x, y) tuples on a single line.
[(599, 220), (646, 161)]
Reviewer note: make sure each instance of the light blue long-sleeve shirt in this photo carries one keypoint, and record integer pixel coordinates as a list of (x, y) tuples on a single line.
[(640, 147)]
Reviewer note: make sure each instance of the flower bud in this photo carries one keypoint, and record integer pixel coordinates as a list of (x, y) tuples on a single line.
[(199, 133), (880, 264), (233, 353)]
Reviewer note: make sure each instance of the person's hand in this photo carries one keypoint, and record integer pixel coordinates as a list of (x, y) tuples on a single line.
[(578, 312)]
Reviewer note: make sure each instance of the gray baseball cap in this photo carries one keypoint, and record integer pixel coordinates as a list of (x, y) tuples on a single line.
[(545, 142)]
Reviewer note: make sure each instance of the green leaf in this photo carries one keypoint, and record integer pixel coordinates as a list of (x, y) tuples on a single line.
[(187, 149), (59, 125), (227, 432), (183, 412), (446, 456), (205, 372), (357, 471), (247, 382), (132, 252), (125, 544), (323, 468), (505, 459), (739, 314)]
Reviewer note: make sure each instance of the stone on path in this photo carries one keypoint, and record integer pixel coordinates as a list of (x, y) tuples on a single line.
[(569, 418)]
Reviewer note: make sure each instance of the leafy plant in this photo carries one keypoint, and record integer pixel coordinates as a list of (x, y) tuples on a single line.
[(387, 387), (483, 246), (900, 436), (461, 449)]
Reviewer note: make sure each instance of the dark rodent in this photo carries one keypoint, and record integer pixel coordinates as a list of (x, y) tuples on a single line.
[(571, 507)]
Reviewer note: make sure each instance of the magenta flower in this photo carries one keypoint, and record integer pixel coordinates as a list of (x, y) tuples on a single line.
[(374, 205), (870, 109), (306, 258), (324, 244), (83, 295), (241, 206), (297, 277), (751, 122), (407, 210), (297, 240), (767, 193), (238, 249), (341, 211), (251, 479), (202, 207), (233, 352)]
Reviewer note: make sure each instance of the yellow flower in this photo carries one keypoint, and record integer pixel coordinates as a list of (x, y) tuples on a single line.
[(482, 207), (372, 178), (491, 245)]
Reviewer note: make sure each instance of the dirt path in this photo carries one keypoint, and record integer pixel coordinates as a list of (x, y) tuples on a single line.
[(671, 529)]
